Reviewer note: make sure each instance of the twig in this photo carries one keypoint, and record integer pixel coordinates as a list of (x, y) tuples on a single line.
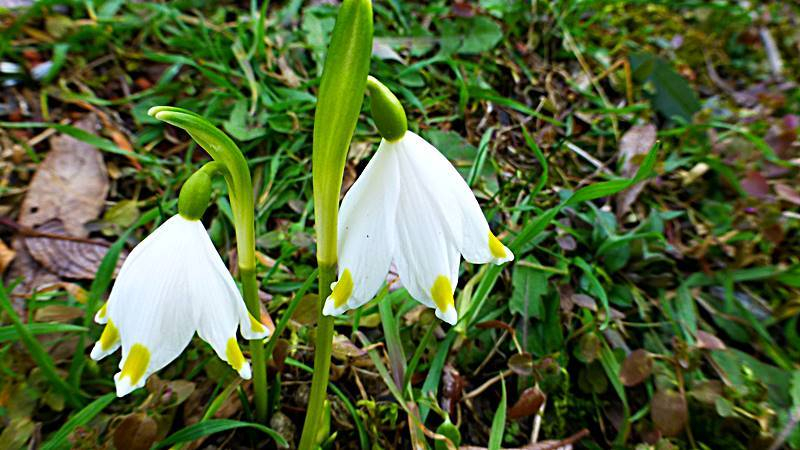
[(30, 232), (487, 384)]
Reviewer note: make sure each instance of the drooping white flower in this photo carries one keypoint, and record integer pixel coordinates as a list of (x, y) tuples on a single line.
[(172, 285), (410, 206)]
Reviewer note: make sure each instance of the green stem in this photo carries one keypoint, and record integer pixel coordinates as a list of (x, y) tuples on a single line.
[(240, 189), (257, 356), (322, 363)]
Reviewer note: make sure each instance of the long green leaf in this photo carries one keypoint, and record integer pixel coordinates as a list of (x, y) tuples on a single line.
[(209, 427), (82, 417), (499, 421), (9, 333)]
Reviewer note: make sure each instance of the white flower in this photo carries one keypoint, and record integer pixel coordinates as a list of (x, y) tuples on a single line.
[(410, 206), (173, 284)]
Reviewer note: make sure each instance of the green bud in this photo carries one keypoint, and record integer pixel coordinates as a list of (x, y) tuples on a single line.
[(341, 93), (195, 195), (387, 112)]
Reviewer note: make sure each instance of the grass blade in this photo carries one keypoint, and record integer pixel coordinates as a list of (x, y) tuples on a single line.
[(499, 421), (209, 427), (38, 354), (9, 333), (59, 439)]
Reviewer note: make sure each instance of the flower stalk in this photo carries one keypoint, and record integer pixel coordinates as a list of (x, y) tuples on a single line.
[(240, 187), (341, 93)]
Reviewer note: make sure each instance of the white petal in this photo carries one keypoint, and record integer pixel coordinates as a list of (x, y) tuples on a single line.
[(108, 343), (464, 217), (219, 305), (150, 304), (366, 242), (426, 256)]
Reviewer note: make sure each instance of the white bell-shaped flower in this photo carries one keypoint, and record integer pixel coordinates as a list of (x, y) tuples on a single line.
[(410, 206), (172, 285)]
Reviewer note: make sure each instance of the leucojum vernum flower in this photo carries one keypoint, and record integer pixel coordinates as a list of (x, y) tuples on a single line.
[(172, 285), (410, 206)]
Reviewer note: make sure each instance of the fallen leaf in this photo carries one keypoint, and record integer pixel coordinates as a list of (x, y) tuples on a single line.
[(6, 256), (69, 187), (528, 403), (584, 301), (70, 184), (633, 145), (636, 368), (343, 348), (136, 432), (58, 313), (787, 193), (669, 412), (756, 185), (68, 258), (709, 342)]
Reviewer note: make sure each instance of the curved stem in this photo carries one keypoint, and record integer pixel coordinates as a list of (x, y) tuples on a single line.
[(240, 188), (322, 364)]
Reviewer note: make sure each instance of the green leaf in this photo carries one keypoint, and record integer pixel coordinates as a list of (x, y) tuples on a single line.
[(481, 34), (243, 127), (9, 333), (673, 95), (529, 284), (209, 427), (499, 421), (82, 417)]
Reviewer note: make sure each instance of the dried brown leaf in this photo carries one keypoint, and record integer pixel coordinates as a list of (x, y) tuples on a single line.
[(755, 184), (787, 193), (6, 256), (58, 313), (68, 258), (70, 184), (635, 143), (709, 342), (136, 432), (528, 403)]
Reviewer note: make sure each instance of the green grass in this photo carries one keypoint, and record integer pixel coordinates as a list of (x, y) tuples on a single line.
[(526, 98)]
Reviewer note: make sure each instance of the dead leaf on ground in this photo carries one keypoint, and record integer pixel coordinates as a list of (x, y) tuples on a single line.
[(70, 184), (69, 187), (528, 403), (58, 313), (67, 258), (635, 143), (6, 256), (135, 432)]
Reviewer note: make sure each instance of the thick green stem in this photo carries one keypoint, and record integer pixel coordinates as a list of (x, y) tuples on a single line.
[(322, 364), (257, 356)]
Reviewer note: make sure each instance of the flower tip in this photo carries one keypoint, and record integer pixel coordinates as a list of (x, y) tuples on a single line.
[(124, 386), (330, 308), (509, 256), (97, 352), (450, 315), (245, 372)]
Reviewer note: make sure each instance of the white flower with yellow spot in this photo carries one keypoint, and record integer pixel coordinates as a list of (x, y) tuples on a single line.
[(410, 206), (172, 285)]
